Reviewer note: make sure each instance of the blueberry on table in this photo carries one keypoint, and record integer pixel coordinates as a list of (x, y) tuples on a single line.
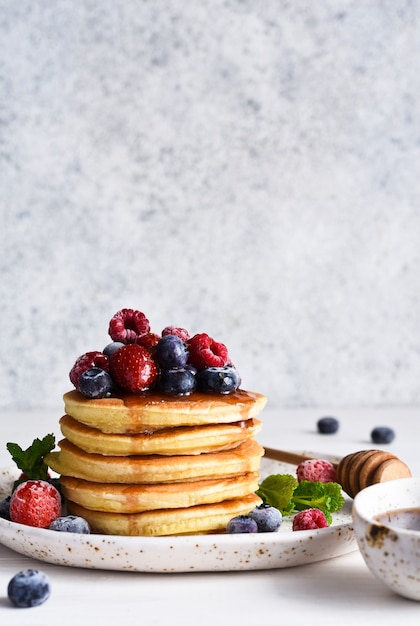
[(382, 434), (29, 588), (328, 425)]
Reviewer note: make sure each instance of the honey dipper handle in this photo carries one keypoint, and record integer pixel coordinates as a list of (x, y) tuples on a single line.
[(287, 457)]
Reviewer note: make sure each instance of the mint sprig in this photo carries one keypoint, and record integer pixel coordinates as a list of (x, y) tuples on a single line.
[(31, 461), (285, 493)]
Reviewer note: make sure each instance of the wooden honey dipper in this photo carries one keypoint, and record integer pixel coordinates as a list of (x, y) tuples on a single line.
[(356, 470)]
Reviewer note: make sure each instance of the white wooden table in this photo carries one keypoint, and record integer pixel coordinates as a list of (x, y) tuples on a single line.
[(335, 592)]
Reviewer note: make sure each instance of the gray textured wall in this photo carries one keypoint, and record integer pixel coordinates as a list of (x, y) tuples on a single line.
[(245, 168)]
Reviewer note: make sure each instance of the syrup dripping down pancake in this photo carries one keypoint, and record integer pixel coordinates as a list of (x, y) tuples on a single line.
[(117, 498), (72, 461), (136, 413), (168, 441), (204, 518)]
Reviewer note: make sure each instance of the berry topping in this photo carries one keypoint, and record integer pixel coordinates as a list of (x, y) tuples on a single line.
[(148, 340), (176, 330), (133, 368), (218, 379), (205, 352), (70, 524), (29, 588), (309, 519), (152, 362), (171, 352), (241, 524), (327, 425), (382, 434), (95, 383), (178, 382), (128, 325), (268, 518), (316, 470), (112, 347), (85, 362), (35, 503)]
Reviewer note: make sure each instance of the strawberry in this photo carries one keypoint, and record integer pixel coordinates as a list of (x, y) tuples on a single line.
[(133, 368), (35, 503), (86, 362), (205, 352), (128, 325)]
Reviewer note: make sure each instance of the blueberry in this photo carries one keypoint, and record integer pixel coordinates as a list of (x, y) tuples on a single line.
[(70, 524), (171, 352), (178, 382), (29, 588), (95, 383), (112, 347), (328, 425), (5, 508), (218, 379), (382, 434), (241, 524), (268, 518)]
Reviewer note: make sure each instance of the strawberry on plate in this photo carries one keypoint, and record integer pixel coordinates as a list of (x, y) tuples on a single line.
[(35, 503), (133, 369)]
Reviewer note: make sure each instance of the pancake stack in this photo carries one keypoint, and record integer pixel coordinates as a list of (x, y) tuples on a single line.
[(152, 464)]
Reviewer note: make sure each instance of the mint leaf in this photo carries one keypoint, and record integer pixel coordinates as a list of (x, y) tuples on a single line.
[(277, 490), (31, 460), (284, 492), (327, 497)]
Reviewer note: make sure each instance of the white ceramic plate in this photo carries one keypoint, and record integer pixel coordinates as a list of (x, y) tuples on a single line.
[(193, 553)]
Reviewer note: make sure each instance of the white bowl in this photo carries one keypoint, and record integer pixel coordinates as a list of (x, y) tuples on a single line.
[(388, 539)]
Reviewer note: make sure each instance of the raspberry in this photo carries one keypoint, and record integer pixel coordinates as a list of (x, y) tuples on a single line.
[(86, 362), (148, 340), (316, 470), (128, 325), (176, 330), (35, 503), (309, 519), (133, 368), (205, 352)]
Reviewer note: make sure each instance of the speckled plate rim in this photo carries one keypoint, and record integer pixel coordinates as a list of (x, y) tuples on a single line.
[(191, 553)]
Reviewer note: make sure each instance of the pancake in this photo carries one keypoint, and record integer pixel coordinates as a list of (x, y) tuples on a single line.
[(72, 461), (167, 441), (137, 413), (205, 518), (112, 497)]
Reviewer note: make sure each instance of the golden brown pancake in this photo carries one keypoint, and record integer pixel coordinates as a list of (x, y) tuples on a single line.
[(204, 518), (168, 441), (137, 413), (117, 498), (72, 461)]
